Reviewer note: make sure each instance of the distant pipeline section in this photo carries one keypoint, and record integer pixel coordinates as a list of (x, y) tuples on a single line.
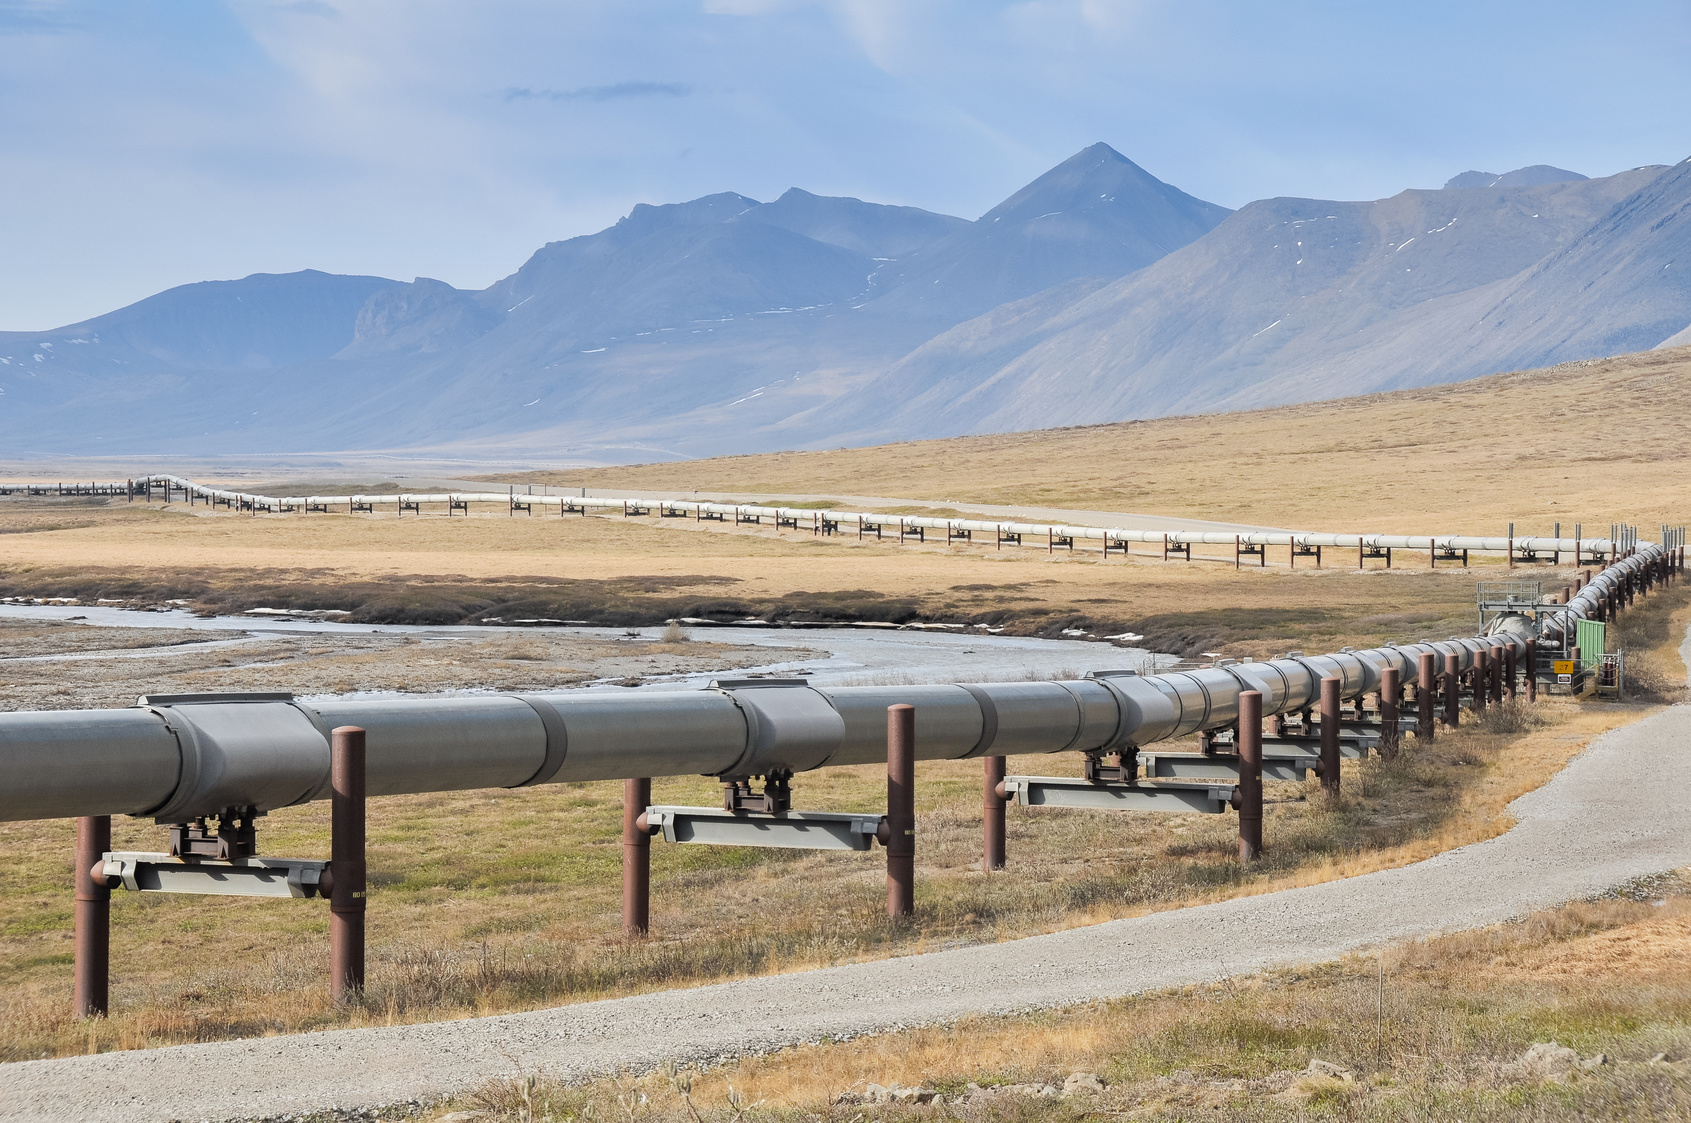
[(1583, 550), (175, 758)]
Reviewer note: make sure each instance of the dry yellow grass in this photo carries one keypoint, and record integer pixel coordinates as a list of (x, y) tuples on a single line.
[(1593, 442), (1659, 950)]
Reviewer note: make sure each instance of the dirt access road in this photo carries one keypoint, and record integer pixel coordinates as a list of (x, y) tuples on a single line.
[(1599, 823)]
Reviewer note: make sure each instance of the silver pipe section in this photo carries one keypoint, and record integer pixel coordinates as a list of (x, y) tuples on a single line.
[(176, 757), (868, 520)]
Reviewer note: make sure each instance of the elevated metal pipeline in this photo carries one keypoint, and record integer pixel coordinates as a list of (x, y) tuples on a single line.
[(177, 757), (1043, 533)]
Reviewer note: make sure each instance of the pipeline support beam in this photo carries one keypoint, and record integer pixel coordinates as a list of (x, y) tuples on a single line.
[(901, 811), (636, 859), (93, 918), (346, 862)]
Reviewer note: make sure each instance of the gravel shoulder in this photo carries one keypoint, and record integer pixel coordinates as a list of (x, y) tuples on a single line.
[(1607, 818)]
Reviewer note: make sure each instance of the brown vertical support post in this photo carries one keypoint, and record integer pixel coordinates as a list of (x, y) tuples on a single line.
[(1511, 669), (93, 917), (346, 862), (1330, 736), (1426, 695), (901, 811), (636, 859), (1532, 670), (1479, 680), (1235, 551), (1451, 691), (1250, 775), (992, 813), (1390, 684), (1494, 675)]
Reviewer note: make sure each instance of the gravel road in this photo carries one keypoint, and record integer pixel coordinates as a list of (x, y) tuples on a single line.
[(1608, 817)]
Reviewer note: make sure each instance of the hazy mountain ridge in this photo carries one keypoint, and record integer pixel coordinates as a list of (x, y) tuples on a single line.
[(1534, 176), (725, 324), (264, 321)]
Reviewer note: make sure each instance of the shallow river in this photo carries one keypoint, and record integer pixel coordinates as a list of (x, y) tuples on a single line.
[(846, 656)]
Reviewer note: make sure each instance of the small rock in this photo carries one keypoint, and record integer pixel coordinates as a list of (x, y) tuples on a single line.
[(1320, 1076), (462, 1117), (1319, 1067), (1083, 1084), (911, 1095), (1544, 1061), (893, 1093), (1659, 1059), (1596, 1061)]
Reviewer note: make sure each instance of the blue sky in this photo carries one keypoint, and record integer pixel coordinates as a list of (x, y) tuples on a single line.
[(144, 145)]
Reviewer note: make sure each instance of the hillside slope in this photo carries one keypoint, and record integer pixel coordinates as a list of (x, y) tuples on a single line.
[(1466, 457), (1297, 299)]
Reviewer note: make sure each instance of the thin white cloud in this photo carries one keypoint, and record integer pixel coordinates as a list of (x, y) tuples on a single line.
[(611, 92)]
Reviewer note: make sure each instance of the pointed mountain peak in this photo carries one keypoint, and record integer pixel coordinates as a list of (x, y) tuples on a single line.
[(1097, 178), (1098, 151)]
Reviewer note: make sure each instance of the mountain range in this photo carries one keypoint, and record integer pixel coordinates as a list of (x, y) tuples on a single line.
[(1095, 293)]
